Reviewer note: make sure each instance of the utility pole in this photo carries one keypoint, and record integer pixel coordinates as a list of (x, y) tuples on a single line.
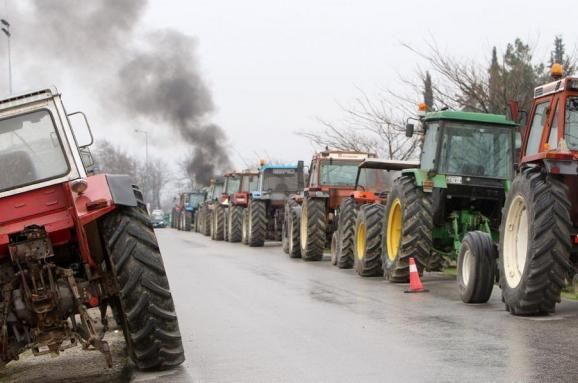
[(6, 30)]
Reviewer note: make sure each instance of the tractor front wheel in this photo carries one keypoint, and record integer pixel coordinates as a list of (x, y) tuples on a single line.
[(476, 267), (257, 225), (218, 223), (144, 306), (408, 230), (346, 230), (313, 228), (293, 225), (535, 243), (368, 242), (234, 223)]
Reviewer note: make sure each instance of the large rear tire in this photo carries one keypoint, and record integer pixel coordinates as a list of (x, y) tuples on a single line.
[(145, 304), (285, 230), (535, 243), (205, 221), (346, 229), (476, 267), (313, 229), (257, 225), (408, 230), (368, 240), (188, 220), (235, 223)]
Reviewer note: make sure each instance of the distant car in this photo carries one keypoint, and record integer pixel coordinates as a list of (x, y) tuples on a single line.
[(158, 219)]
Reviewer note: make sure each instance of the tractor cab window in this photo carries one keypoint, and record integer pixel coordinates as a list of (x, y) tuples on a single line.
[(196, 199), (250, 182), (553, 138), (375, 180), (281, 180), (233, 184), (30, 150), (341, 173), (538, 121), (217, 190), (571, 123), (428, 153), (476, 150)]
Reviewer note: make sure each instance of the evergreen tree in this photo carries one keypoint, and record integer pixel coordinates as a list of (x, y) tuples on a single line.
[(428, 97), (495, 85), (558, 55)]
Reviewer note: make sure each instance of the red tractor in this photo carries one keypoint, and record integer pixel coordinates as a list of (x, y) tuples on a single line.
[(235, 194), (538, 249), (310, 218), (70, 242)]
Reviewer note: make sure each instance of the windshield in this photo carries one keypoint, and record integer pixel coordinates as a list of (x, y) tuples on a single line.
[(196, 199), (572, 123), (217, 190), (233, 184), (375, 180), (476, 150), (338, 173), (30, 150), (250, 182), (280, 180)]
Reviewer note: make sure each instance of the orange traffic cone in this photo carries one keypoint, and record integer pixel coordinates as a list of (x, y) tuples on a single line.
[(415, 285)]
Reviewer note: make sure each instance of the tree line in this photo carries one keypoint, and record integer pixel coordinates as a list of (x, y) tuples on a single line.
[(377, 124)]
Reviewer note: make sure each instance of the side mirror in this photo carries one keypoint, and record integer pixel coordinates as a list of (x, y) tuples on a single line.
[(81, 129), (409, 130), (87, 159)]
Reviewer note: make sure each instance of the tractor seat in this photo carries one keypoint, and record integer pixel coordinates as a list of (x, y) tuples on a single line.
[(16, 168), (473, 170)]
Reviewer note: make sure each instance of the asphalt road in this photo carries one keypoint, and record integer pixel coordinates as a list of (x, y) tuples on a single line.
[(255, 315)]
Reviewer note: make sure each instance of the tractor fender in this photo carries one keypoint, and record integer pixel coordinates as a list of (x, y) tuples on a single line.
[(121, 190)]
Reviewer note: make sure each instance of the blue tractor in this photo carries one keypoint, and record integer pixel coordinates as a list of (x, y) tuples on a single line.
[(263, 217)]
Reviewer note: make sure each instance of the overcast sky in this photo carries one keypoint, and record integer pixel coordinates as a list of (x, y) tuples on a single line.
[(275, 66)]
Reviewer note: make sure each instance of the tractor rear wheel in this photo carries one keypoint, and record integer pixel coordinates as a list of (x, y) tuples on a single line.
[(535, 243), (346, 229), (218, 223), (408, 230), (476, 267), (313, 229), (144, 305), (368, 241), (257, 225), (285, 229), (234, 223)]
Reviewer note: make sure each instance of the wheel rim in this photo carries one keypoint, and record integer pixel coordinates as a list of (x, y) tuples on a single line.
[(466, 266), (394, 229), (516, 241), (360, 241), (303, 227)]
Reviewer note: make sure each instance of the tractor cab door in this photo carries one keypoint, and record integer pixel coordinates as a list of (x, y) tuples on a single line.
[(538, 131)]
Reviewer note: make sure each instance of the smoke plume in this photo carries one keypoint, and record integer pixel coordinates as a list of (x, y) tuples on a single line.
[(152, 75)]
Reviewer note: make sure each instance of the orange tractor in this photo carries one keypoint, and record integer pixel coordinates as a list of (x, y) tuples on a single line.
[(72, 242), (538, 249), (310, 218), (357, 241)]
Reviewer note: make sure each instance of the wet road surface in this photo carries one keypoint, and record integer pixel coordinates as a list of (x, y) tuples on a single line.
[(255, 315)]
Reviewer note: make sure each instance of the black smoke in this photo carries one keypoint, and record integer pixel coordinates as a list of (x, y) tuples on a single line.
[(152, 75)]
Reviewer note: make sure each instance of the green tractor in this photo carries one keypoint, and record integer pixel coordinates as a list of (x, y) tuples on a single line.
[(448, 210)]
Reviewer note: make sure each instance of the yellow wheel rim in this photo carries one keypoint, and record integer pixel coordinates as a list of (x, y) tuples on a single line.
[(303, 226), (394, 229), (360, 241)]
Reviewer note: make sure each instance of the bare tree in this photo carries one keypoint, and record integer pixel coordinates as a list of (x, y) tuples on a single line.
[(373, 126)]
